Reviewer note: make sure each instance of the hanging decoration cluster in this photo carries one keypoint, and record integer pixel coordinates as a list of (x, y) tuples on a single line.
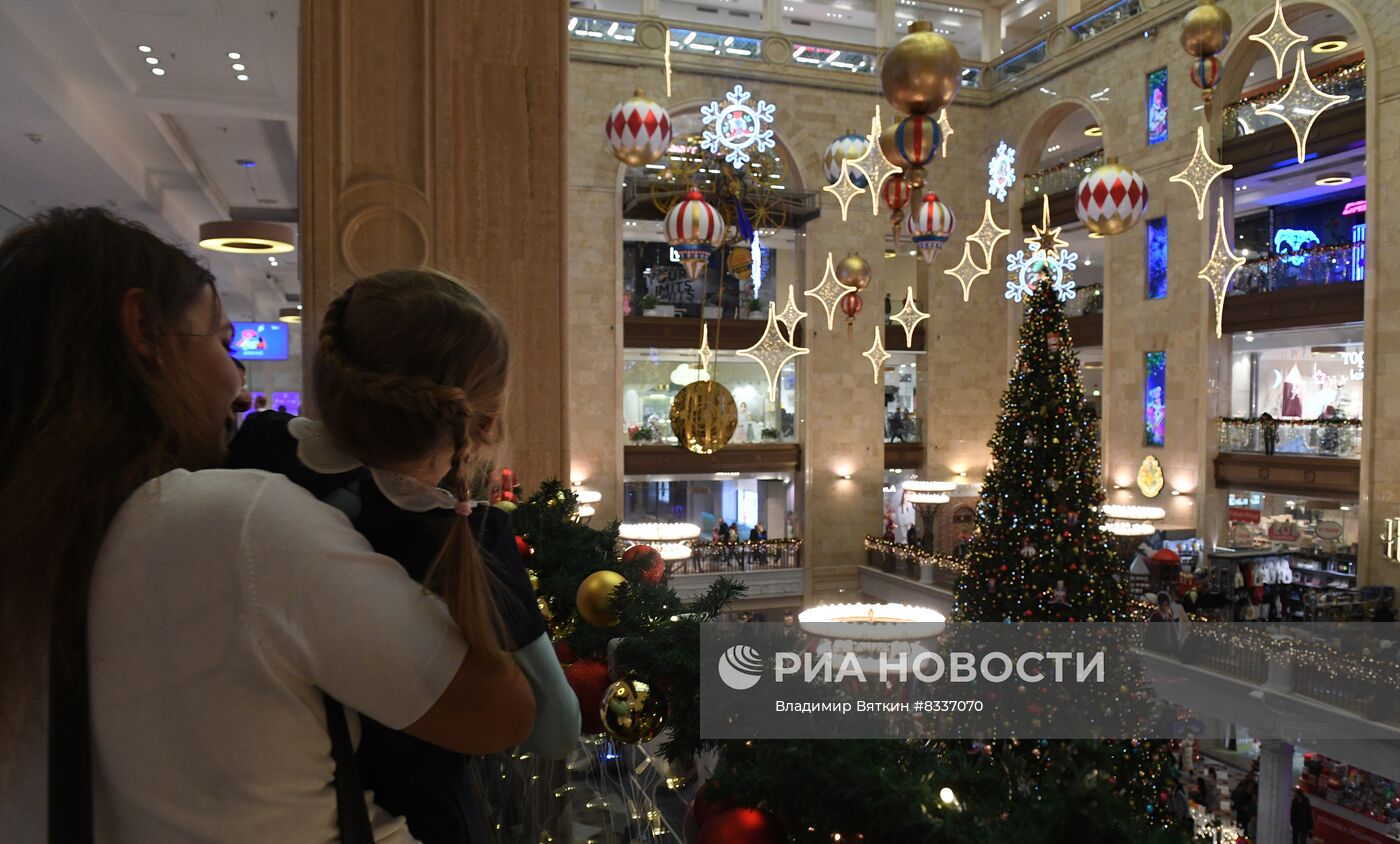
[(1204, 33)]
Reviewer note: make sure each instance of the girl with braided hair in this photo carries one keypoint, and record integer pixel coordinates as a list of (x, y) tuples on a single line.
[(170, 633), (409, 379)]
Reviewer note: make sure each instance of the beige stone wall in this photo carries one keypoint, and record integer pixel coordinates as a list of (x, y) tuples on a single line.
[(972, 344)]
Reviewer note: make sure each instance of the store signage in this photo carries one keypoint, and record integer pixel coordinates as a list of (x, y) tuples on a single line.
[(1285, 531), (1336, 829), (1244, 514), (1355, 207), (1328, 530), (1240, 536)]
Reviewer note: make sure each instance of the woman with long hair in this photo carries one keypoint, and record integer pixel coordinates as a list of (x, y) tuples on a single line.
[(168, 635)]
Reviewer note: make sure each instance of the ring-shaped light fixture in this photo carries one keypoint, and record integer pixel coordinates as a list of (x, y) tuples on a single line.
[(246, 237)]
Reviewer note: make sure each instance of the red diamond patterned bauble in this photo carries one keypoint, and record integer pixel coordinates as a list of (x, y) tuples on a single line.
[(742, 826), (638, 130), (1111, 198)]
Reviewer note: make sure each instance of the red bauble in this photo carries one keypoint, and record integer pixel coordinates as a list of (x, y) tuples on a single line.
[(652, 565), (523, 547), (589, 679), (851, 305), (742, 826), (564, 652)]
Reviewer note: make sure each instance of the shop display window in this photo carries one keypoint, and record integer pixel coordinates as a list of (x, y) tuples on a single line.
[(652, 378), (744, 501), (1349, 787), (902, 422), (1301, 245)]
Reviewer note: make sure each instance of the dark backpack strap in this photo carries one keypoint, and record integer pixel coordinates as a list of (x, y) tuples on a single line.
[(70, 740), (352, 816)]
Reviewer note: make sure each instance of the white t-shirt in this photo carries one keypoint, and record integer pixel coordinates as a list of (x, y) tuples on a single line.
[(223, 602)]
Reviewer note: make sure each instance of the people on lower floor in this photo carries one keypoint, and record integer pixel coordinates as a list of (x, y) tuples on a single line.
[(1300, 817)]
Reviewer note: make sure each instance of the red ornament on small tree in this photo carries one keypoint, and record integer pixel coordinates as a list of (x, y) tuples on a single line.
[(742, 826), (589, 679), (653, 567)]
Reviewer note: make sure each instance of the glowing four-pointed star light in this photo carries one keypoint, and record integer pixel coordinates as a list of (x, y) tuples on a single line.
[(1201, 173), (967, 271), (737, 127), (844, 189), (877, 355), (1278, 38), (873, 164), (1301, 106), (988, 234), (909, 317), (1221, 267), (946, 128), (830, 292), (791, 315), (773, 351)]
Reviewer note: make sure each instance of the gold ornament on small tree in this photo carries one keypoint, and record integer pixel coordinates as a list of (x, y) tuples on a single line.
[(632, 710), (704, 416), (595, 597)]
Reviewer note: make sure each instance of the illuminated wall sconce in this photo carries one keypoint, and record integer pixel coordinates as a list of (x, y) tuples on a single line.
[(846, 476), (962, 474)]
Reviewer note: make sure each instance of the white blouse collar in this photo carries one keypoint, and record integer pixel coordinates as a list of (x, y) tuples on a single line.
[(319, 453)]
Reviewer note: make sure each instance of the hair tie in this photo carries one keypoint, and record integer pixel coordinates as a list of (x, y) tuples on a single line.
[(464, 507)]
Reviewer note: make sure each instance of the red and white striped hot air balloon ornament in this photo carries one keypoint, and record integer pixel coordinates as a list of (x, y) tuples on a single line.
[(695, 229)]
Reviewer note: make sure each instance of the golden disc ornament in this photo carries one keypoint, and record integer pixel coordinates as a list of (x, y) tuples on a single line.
[(595, 597), (632, 710), (853, 271), (922, 73), (704, 416), (741, 262), (1205, 30)]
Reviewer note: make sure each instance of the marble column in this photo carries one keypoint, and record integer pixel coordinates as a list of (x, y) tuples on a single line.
[(1275, 792), (992, 34), (431, 136)]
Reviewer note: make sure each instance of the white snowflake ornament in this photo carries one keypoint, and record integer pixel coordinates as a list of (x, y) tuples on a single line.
[(737, 127)]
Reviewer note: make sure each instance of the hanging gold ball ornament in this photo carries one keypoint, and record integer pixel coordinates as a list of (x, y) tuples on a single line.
[(1205, 30), (853, 271), (704, 416), (534, 580), (632, 710), (595, 597), (543, 604), (741, 262), (923, 72)]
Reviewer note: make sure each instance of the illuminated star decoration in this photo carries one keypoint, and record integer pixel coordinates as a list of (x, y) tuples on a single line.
[(1221, 267), (1278, 38), (946, 128), (877, 355), (1301, 106), (831, 291), (772, 352), (844, 189), (909, 316), (988, 234), (873, 164), (1045, 240), (791, 315), (1201, 172), (967, 271), (705, 354)]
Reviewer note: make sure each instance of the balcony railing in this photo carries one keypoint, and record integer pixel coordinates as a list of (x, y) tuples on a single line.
[(1310, 267), (1105, 20), (1315, 437), (730, 557), (913, 562), (903, 428), (1062, 177), (603, 29), (1241, 118), (1023, 61)]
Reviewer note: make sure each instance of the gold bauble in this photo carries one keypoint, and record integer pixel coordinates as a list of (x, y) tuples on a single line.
[(632, 710), (704, 416), (543, 604), (560, 628), (534, 580), (853, 271), (741, 262), (595, 597), (922, 73), (1205, 30), (887, 143)]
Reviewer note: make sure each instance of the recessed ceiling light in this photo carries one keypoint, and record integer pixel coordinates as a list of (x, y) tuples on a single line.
[(239, 67), (1095, 235), (143, 48), (1328, 180), (1093, 131), (1330, 44), (158, 71), (152, 60), (242, 77), (235, 56)]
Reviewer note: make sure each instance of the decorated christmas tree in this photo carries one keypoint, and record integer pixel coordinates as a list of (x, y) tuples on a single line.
[(1039, 553)]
